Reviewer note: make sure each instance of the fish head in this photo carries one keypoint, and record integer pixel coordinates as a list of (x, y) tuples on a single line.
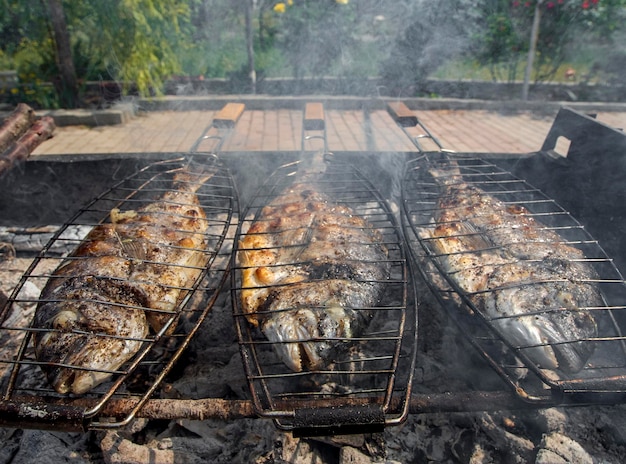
[(552, 326), (306, 338), (84, 335), (568, 333), (76, 363), (527, 333)]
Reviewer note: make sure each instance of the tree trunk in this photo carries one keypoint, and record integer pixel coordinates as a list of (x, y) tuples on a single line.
[(532, 49), (69, 86), (250, 44)]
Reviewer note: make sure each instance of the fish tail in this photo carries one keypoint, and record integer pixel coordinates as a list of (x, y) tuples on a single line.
[(447, 172), (191, 181), (314, 164)]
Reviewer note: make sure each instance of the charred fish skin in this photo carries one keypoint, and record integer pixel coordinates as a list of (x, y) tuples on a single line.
[(126, 277), (311, 272), (91, 323), (534, 288)]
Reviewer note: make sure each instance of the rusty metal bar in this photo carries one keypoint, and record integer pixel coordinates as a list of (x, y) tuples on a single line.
[(37, 414), (68, 414)]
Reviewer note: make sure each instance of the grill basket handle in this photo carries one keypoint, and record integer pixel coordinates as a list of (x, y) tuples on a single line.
[(340, 420)]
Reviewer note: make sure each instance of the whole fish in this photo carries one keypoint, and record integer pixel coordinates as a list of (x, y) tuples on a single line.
[(535, 289), (126, 276), (311, 272)]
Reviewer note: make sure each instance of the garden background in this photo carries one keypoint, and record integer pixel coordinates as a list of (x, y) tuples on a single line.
[(58, 53)]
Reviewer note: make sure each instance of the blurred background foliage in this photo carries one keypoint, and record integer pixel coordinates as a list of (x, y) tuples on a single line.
[(141, 44)]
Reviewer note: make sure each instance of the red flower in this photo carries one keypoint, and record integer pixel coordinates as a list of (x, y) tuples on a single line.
[(515, 3), (585, 5), (527, 4), (550, 5), (595, 2)]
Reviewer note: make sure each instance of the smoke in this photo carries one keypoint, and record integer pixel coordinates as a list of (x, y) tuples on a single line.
[(431, 33), (611, 66)]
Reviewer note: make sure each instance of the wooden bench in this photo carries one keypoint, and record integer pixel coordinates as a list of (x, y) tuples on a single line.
[(314, 116), (402, 114), (229, 115)]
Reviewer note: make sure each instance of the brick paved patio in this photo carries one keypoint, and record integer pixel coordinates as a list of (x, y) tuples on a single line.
[(281, 129)]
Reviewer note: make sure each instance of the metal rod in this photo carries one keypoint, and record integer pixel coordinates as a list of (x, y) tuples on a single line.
[(66, 414)]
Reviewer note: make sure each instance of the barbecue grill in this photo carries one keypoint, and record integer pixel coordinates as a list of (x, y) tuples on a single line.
[(26, 394), (357, 391), (368, 389), (605, 370)]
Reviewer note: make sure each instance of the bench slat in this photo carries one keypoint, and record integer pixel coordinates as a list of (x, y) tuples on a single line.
[(402, 114), (229, 115), (314, 116)]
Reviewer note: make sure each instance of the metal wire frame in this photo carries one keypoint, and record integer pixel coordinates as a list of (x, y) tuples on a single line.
[(605, 371), (159, 351), (367, 388), (425, 135)]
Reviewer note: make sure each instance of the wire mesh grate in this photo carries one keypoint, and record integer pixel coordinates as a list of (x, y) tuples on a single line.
[(324, 235), (535, 293), (128, 249)]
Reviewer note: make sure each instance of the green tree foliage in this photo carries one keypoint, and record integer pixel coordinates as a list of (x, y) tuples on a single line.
[(135, 42), (499, 41), (215, 35), (141, 43), (26, 45), (566, 26)]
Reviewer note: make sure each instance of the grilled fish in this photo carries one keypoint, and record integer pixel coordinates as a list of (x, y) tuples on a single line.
[(534, 288), (126, 277), (311, 271)]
